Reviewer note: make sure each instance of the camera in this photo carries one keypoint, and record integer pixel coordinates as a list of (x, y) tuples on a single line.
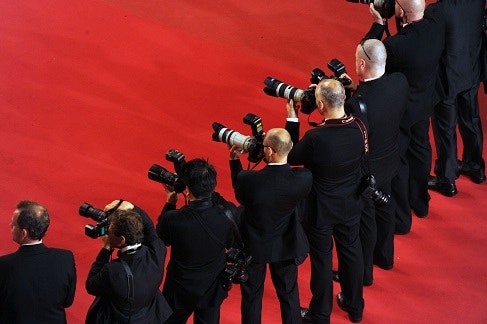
[(236, 269), (368, 188), (177, 158), (160, 174), (98, 215), (251, 144), (384, 7), (276, 88)]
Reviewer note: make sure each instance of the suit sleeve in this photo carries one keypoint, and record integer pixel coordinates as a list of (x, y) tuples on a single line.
[(72, 282), (293, 129), (376, 31), (302, 151), (98, 281)]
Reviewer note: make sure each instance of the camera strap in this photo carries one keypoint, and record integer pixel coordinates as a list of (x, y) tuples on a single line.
[(227, 214), (130, 285)]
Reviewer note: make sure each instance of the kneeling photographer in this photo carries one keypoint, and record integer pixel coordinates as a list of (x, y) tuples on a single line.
[(270, 225), (199, 234), (127, 288)]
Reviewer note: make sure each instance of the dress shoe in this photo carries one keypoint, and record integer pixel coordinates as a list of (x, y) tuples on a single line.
[(354, 318), (384, 266), (477, 176), (442, 185), (305, 315)]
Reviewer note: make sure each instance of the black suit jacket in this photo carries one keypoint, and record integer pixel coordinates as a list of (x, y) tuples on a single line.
[(460, 65), (36, 284), (197, 259), (415, 51), (109, 280), (270, 225), (334, 155), (385, 99)]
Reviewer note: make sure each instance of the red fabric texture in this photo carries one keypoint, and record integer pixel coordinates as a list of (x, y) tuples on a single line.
[(93, 92)]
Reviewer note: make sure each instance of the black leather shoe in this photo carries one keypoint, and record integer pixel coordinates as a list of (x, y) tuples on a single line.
[(305, 315), (354, 318), (443, 186), (477, 176), (336, 278)]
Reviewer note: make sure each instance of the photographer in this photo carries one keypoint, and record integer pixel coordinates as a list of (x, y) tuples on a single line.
[(198, 234), (271, 227), (384, 97), (127, 288), (415, 51), (37, 283), (459, 76), (333, 151)]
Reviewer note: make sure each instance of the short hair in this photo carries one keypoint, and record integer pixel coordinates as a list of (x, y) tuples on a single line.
[(280, 140), (332, 92), (200, 177), (34, 218), (127, 223)]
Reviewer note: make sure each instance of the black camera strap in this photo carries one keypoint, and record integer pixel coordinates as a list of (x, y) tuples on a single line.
[(227, 214), (130, 286)]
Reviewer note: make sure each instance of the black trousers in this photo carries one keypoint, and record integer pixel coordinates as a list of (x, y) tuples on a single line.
[(410, 185), (377, 225), (464, 111), (350, 268), (284, 276)]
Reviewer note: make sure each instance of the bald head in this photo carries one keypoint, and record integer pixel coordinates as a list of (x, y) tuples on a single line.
[(331, 93), (280, 141), (412, 9), (371, 56)]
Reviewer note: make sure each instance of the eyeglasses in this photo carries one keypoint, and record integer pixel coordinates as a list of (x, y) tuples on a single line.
[(363, 48)]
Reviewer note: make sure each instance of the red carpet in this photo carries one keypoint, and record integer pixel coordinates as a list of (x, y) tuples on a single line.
[(94, 92)]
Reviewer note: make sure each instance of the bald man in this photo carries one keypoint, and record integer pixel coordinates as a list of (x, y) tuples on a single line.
[(271, 227), (415, 51), (334, 152), (385, 97)]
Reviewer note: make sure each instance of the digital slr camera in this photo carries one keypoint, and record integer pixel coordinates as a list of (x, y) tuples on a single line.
[(98, 215), (306, 97), (368, 188), (162, 175), (236, 269), (251, 144), (386, 8)]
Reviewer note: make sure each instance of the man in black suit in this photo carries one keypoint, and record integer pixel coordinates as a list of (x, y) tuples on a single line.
[(385, 97), (458, 84), (132, 232), (415, 51), (198, 234), (271, 227), (36, 283), (333, 151)]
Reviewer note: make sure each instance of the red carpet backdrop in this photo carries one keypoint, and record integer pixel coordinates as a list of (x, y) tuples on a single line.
[(93, 92)]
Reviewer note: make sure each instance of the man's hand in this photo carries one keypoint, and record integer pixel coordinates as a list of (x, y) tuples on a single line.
[(171, 195), (377, 17), (352, 86), (124, 206), (292, 109), (234, 152)]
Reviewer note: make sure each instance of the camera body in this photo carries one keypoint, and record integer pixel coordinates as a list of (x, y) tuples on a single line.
[(177, 158), (160, 174), (251, 144), (98, 215), (368, 189), (386, 8), (236, 269), (276, 88)]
